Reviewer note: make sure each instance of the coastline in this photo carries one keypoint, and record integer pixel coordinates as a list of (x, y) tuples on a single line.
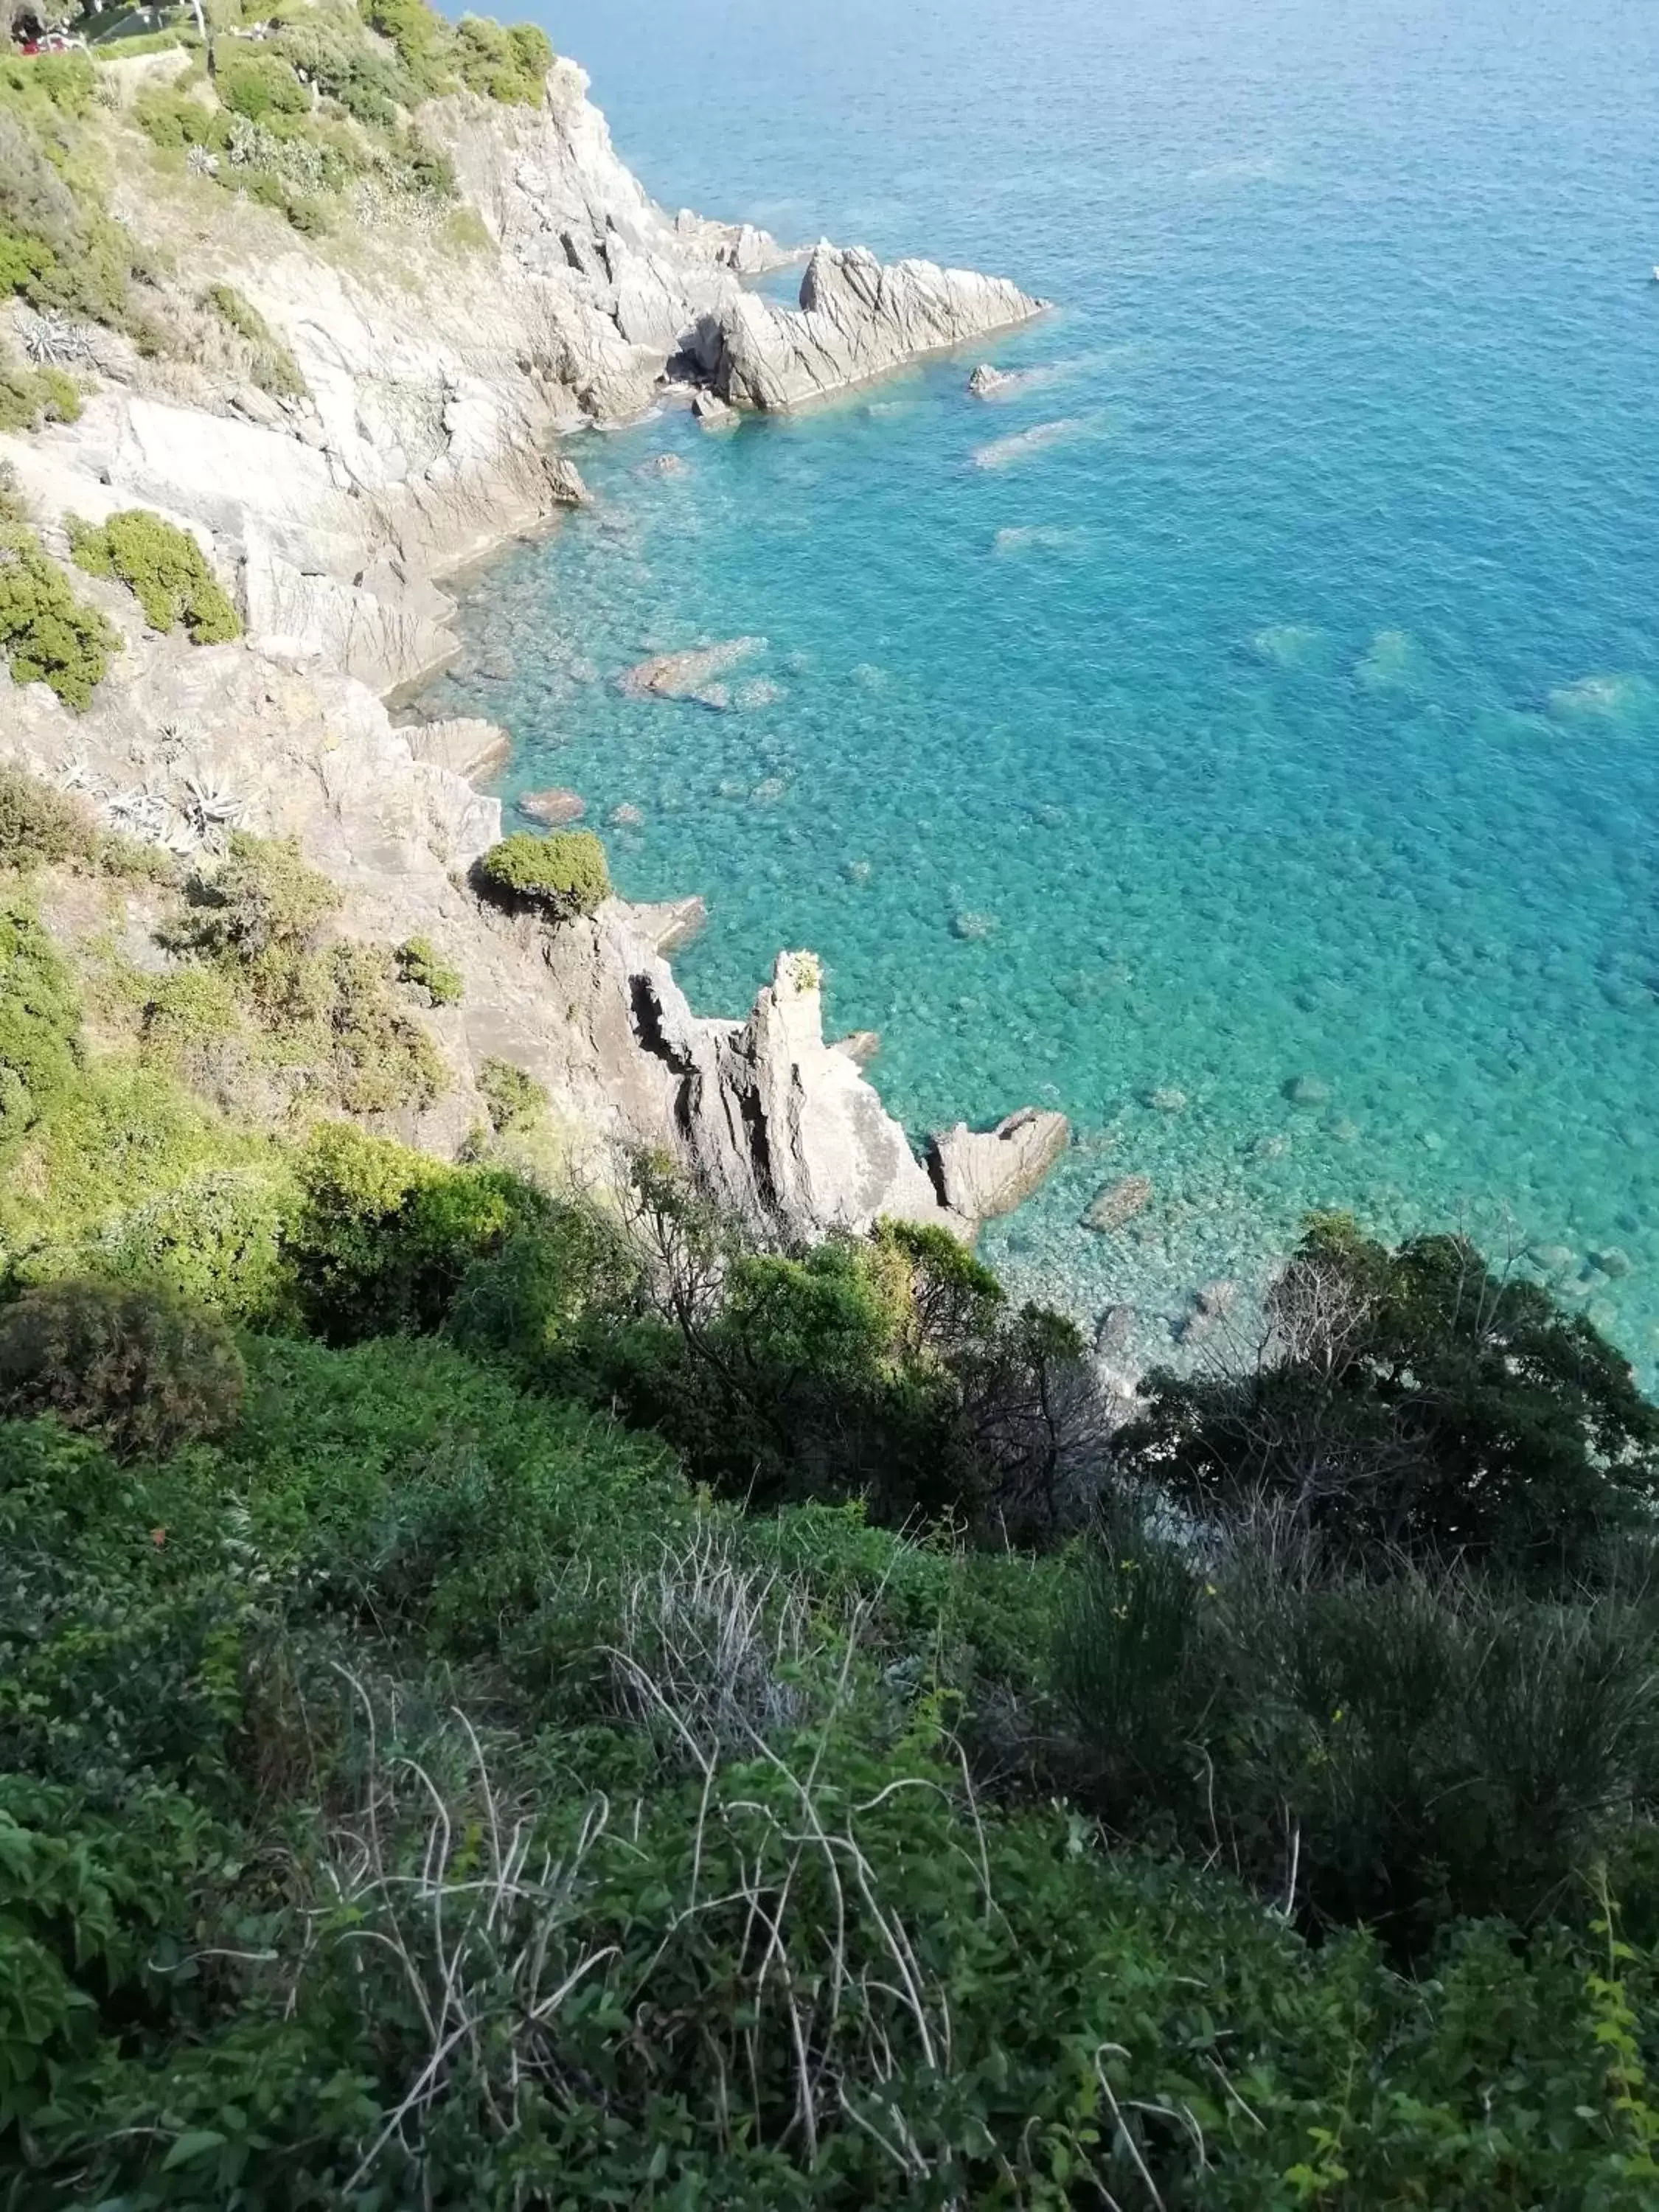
[(440, 399)]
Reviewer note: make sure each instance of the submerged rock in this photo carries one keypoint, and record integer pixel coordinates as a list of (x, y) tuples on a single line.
[(1166, 1099), (972, 928), (625, 817), (554, 806), (1307, 1090), (687, 675), (664, 464), (1116, 1327), (1551, 1259), (1612, 1261), (1003, 452), (980, 1174), (857, 320), (1118, 1202)]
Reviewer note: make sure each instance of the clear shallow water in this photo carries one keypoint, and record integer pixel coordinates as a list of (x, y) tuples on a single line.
[(1293, 711)]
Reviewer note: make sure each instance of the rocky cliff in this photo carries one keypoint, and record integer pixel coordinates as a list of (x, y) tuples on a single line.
[(440, 374)]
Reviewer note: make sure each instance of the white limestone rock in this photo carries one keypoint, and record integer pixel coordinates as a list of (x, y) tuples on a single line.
[(857, 320), (980, 1174)]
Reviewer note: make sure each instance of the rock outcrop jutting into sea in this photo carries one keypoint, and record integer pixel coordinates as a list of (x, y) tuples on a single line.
[(436, 383), (857, 320)]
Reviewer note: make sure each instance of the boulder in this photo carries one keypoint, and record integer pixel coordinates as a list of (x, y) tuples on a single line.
[(714, 412), (986, 382), (685, 675), (980, 1174), (554, 806), (857, 320), (1118, 1202)]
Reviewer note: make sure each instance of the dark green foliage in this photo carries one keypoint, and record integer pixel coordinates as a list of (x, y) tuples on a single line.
[(38, 825), (887, 1369), (1395, 1753), (386, 1236), (420, 965), (173, 119), (46, 633), (557, 876), (1413, 1400), (223, 1887), (40, 1019), (138, 1370), (515, 1100), (163, 567)]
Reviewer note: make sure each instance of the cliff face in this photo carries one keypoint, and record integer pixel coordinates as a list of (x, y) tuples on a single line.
[(439, 370)]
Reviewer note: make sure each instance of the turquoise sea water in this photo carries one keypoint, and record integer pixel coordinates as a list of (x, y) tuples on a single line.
[(1291, 711)]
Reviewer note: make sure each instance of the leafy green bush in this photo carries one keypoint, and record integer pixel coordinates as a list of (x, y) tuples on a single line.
[(422, 966), (514, 1099), (40, 826), (263, 898), (1396, 1753), (423, 39), (47, 635), (1413, 1400), (58, 247), (260, 85), (279, 1635), (509, 66), (558, 876), (140, 1370), (40, 1020), (386, 1235), (175, 120), (163, 567), (30, 396), (274, 367)]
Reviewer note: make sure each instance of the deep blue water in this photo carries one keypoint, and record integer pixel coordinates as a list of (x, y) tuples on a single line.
[(1293, 712)]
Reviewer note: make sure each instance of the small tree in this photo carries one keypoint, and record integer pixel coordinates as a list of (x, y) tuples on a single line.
[(1412, 1401)]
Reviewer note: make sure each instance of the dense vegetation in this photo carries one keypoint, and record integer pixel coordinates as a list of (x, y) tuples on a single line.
[(307, 110), (507, 1700), (163, 567)]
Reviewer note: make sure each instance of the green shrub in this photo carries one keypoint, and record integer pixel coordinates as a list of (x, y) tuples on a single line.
[(1411, 1400), (260, 85), (14, 508), (140, 1372), (382, 1059), (30, 396), (40, 826), (514, 1099), (421, 966), (1403, 1752), (386, 1236), (559, 876), (47, 635), (424, 42), (216, 1239), (505, 65), (193, 1006), (163, 567), (173, 119), (274, 367), (263, 898), (40, 1019)]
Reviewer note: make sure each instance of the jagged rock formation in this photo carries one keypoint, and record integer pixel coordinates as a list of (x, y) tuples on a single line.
[(857, 320), (983, 1174)]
